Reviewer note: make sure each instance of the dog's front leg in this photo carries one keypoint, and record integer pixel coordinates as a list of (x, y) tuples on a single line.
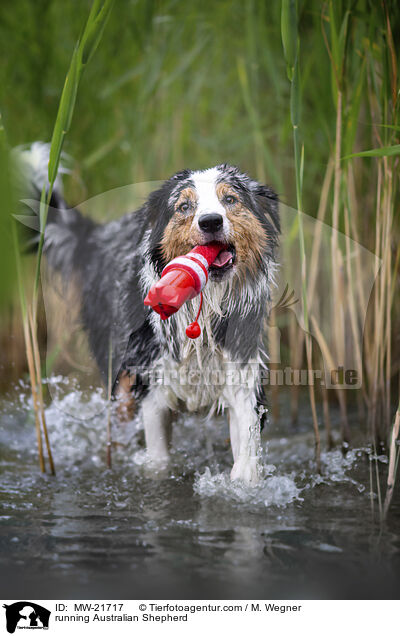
[(244, 428), (157, 428)]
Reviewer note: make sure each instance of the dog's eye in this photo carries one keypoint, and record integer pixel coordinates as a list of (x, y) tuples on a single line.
[(184, 207), (229, 199)]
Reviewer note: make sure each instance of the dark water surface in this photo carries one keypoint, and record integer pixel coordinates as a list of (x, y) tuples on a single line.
[(94, 533)]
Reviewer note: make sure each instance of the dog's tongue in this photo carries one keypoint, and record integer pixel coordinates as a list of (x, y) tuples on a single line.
[(222, 259), (216, 254)]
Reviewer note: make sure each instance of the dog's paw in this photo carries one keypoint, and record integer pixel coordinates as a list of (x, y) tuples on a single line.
[(156, 468), (248, 470)]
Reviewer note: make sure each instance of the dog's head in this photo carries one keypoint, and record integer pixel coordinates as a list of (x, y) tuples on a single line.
[(219, 204)]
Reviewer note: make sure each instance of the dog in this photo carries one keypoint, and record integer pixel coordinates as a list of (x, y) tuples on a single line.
[(115, 265)]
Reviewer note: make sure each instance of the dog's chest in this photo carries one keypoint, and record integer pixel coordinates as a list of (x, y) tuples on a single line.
[(194, 384), (193, 371)]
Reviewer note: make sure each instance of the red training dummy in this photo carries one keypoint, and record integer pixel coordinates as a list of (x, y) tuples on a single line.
[(182, 279)]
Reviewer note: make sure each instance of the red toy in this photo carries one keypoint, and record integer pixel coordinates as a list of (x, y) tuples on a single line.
[(182, 279)]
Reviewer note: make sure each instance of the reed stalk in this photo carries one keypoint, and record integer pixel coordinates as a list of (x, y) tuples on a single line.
[(314, 260), (337, 54), (40, 400), (109, 406), (291, 45), (83, 52), (28, 349), (296, 345), (274, 342), (394, 454)]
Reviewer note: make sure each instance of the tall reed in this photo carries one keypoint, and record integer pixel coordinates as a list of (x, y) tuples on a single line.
[(356, 74), (82, 54), (291, 45), (394, 454)]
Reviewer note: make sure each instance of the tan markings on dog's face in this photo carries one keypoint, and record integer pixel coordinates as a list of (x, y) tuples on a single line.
[(249, 238), (180, 236), (247, 233), (177, 237), (188, 195), (224, 190)]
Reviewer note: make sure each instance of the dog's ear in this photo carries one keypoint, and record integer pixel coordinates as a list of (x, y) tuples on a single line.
[(268, 205), (157, 258), (159, 213), (158, 220), (181, 176), (267, 210)]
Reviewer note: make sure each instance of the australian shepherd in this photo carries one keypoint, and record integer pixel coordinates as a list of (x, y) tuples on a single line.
[(116, 263)]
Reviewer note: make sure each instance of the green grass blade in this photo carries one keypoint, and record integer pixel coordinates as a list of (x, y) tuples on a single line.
[(295, 96), (65, 112), (385, 151), (289, 34), (94, 29), (352, 118), (7, 203)]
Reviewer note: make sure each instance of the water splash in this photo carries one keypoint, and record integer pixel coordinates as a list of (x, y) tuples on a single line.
[(201, 451), (274, 490)]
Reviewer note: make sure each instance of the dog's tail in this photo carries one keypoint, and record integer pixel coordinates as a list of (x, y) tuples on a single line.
[(66, 230)]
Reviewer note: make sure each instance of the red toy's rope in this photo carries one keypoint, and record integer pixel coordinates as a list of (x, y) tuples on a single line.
[(201, 302)]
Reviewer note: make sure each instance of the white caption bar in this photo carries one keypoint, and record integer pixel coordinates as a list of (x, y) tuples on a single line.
[(193, 617)]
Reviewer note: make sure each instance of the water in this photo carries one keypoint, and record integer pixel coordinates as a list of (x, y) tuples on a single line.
[(94, 533)]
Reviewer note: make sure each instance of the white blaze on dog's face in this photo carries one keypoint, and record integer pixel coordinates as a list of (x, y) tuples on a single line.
[(223, 205), (208, 202)]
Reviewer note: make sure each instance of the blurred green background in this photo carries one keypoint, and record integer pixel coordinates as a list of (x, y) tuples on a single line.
[(181, 84), (172, 84)]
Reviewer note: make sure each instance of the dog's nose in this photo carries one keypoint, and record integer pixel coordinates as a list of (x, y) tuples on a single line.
[(210, 222)]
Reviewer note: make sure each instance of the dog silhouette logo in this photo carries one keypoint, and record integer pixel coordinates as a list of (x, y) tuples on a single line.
[(26, 615)]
